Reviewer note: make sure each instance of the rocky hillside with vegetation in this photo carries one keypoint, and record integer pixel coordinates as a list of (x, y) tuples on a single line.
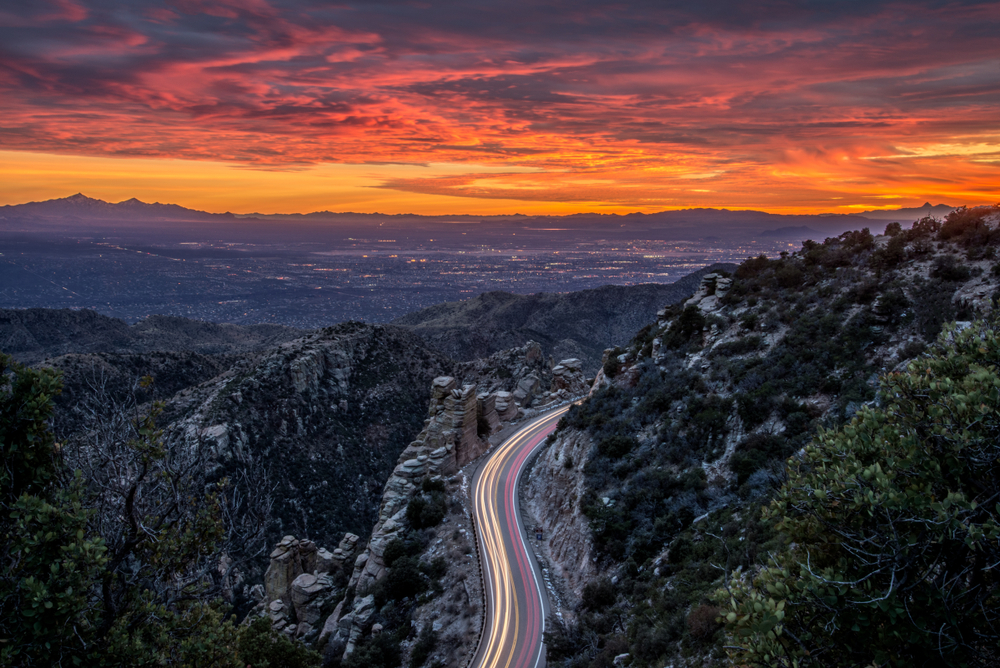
[(572, 325), (674, 458)]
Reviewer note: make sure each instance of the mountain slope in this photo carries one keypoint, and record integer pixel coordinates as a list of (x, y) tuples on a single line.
[(671, 461), (31, 335), (577, 324)]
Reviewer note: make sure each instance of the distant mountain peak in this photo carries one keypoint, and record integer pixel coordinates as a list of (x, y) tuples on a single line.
[(79, 206)]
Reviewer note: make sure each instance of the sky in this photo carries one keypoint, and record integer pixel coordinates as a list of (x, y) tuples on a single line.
[(540, 106)]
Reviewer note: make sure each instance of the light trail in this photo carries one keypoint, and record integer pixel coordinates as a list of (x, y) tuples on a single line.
[(515, 615)]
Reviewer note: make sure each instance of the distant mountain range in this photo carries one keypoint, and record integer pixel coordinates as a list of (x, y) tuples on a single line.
[(80, 210)]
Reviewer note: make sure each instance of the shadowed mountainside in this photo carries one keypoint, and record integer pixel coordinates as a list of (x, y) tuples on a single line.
[(31, 335), (576, 324)]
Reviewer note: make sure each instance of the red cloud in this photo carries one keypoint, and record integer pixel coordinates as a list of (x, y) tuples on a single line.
[(673, 97)]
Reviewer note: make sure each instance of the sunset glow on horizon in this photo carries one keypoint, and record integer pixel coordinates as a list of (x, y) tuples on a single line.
[(282, 106)]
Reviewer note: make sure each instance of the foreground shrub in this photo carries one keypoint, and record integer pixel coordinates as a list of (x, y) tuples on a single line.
[(893, 528)]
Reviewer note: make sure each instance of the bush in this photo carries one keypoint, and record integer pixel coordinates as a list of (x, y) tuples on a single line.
[(381, 651), (753, 452), (947, 268), (685, 328), (892, 526), (611, 365), (404, 580), (260, 646), (752, 267), (922, 229), (703, 622), (966, 226), (598, 594), (617, 446), (891, 255), (425, 644), (426, 510)]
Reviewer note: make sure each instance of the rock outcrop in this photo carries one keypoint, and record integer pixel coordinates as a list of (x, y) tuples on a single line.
[(329, 413), (299, 589), (568, 376), (448, 441), (459, 420), (712, 288)]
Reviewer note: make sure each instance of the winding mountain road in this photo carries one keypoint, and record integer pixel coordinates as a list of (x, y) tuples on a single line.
[(516, 606)]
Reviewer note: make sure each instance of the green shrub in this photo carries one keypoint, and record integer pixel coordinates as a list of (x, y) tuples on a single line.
[(685, 328), (260, 646), (426, 510), (966, 225), (752, 267), (598, 594), (922, 229), (753, 452), (892, 528), (394, 550), (426, 642), (611, 365), (947, 268), (428, 485), (381, 651), (617, 446)]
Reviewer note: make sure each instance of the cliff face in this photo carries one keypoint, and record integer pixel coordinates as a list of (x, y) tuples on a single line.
[(329, 413), (572, 325), (552, 490)]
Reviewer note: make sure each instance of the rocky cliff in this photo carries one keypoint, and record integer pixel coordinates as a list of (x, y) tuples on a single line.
[(552, 490), (461, 418), (329, 413)]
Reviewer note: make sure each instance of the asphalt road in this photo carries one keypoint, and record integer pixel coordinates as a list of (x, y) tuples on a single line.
[(516, 606)]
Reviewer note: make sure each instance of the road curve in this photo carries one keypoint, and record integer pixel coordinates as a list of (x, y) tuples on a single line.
[(515, 606)]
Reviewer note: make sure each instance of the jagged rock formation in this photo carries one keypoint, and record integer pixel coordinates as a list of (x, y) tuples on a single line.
[(448, 441), (300, 585), (573, 325), (568, 376), (460, 419), (31, 335), (329, 413)]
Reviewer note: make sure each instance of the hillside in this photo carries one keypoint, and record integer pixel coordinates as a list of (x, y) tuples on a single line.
[(31, 335), (577, 324), (672, 459)]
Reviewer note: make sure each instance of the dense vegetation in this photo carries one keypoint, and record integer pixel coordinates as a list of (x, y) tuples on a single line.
[(691, 438), (890, 527), (115, 561)]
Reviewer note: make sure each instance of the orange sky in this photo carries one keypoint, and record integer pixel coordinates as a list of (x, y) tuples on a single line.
[(285, 106)]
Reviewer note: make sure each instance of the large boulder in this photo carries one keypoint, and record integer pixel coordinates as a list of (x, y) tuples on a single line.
[(568, 376)]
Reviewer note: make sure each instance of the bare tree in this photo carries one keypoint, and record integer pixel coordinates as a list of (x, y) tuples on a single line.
[(175, 532)]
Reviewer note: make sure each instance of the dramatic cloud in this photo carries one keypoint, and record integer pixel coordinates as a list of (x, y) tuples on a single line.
[(632, 104)]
